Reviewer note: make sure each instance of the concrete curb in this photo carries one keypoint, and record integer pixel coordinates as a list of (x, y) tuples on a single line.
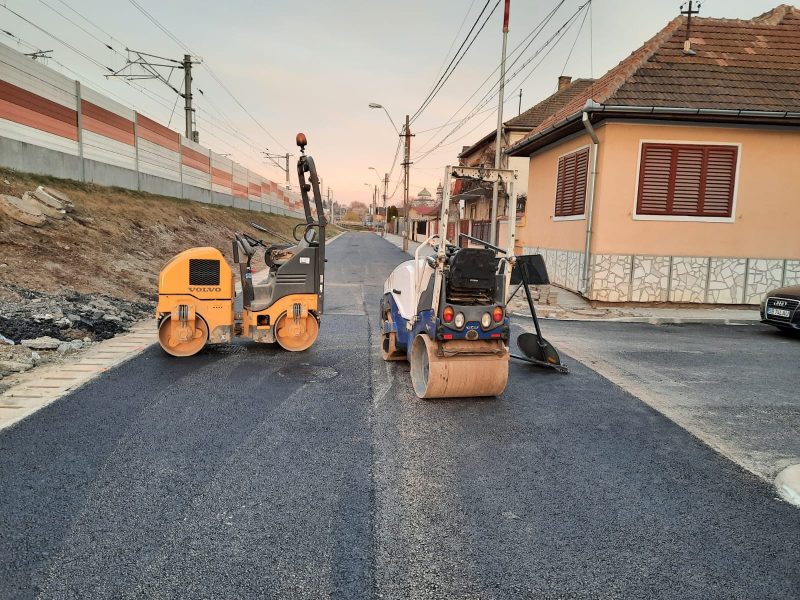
[(651, 320), (788, 484)]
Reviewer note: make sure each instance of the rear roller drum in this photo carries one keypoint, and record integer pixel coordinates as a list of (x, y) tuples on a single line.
[(297, 335), (182, 339), (457, 376), (389, 350)]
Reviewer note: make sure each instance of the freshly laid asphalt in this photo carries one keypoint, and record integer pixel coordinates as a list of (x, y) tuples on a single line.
[(246, 471)]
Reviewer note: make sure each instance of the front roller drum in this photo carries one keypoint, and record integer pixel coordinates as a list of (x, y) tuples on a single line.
[(437, 372), (182, 338), (297, 333)]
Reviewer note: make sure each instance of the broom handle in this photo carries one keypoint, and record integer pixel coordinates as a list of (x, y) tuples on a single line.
[(524, 273)]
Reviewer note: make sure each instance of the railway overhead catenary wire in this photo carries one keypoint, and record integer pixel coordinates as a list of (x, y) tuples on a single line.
[(230, 137)]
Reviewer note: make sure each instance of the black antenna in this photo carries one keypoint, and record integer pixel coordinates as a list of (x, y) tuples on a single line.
[(689, 11)]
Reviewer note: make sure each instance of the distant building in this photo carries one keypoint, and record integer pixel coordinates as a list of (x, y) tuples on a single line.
[(697, 147)]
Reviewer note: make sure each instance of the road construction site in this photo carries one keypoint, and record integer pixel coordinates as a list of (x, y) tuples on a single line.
[(248, 470)]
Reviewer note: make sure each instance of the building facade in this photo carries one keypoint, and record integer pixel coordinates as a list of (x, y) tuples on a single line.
[(672, 179)]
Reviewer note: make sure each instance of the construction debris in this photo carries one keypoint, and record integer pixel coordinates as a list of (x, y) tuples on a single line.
[(49, 211), (54, 198), (24, 211)]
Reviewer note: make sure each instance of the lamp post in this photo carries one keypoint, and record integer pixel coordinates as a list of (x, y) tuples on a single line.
[(406, 133)]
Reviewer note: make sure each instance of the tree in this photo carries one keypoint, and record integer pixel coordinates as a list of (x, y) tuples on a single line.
[(391, 213), (359, 208)]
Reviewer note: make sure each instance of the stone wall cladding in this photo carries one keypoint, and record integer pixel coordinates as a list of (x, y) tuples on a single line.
[(688, 278), (726, 281), (762, 276), (691, 279), (792, 273), (650, 279), (611, 281)]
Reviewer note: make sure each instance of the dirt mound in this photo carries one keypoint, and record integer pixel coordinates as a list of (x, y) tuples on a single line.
[(114, 241)]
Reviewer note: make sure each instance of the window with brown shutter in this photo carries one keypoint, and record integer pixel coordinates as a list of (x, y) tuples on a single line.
[(571, 183), (690, 180)]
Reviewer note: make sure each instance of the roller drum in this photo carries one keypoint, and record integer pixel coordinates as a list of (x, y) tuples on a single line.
[(458, 369)]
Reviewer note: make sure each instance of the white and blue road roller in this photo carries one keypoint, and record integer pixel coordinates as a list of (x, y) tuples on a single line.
[(446, 313)]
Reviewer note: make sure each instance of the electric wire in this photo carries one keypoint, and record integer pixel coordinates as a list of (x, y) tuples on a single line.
[(449, 71), (151, 95), (208, 68), (557, 36), (574, 43), (528, 39)]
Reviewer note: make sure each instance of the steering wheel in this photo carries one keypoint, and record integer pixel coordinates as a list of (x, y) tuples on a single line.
[(308, 227)]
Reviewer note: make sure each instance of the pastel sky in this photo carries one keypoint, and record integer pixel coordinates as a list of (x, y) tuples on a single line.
[(314, 66)]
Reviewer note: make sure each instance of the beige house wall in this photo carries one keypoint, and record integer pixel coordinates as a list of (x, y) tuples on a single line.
[(727, 261), (766, 201)]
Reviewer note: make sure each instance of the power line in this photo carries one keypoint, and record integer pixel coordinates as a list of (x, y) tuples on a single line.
[(95, 25), (71, 47), (559, 33), (455, 37), (529, 38), (214, 76), (447, 72), (153, 96), (577, 36), (167, 104)]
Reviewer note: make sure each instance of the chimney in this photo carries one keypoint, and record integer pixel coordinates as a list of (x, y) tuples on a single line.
[(564, 81)]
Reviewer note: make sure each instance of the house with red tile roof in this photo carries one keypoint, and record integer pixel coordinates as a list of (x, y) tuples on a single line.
[(674, 176)]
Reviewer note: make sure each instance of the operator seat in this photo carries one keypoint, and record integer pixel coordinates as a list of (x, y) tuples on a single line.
[(275, 256)]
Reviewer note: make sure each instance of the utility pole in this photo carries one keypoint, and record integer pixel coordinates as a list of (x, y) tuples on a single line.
[(406, 176), (187, 96), (150, 66), (333, 214), (519, 110), (385, 192), (499, 141), (273, 158)]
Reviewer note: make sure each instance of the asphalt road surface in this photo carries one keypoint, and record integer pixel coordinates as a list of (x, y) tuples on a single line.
[(736, 387), (246, 471)]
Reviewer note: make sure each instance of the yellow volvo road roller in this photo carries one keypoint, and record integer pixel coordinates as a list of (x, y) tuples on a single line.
[(198, 304)]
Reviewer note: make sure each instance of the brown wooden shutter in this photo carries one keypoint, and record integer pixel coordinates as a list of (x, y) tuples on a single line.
[(720, 180), (686, 180), (571, 183)]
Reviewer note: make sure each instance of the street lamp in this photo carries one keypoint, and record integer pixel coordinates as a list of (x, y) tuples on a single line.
[(376, 105), (406, 168)]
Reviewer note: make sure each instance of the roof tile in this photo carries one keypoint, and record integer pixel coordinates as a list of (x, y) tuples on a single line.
[(738, 64)]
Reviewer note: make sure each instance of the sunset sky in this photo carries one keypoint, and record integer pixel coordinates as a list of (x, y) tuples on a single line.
[(316, 68)]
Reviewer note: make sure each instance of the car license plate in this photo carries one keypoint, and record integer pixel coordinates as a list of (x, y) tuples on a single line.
[(779, 312)]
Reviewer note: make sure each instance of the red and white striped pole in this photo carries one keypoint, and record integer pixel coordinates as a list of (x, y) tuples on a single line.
[(498, 150)]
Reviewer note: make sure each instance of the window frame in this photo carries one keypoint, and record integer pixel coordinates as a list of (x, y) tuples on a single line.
[(580, 216), (687, 218)]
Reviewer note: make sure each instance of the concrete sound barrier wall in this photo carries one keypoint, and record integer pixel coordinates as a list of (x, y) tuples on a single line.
[(53, 125)]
